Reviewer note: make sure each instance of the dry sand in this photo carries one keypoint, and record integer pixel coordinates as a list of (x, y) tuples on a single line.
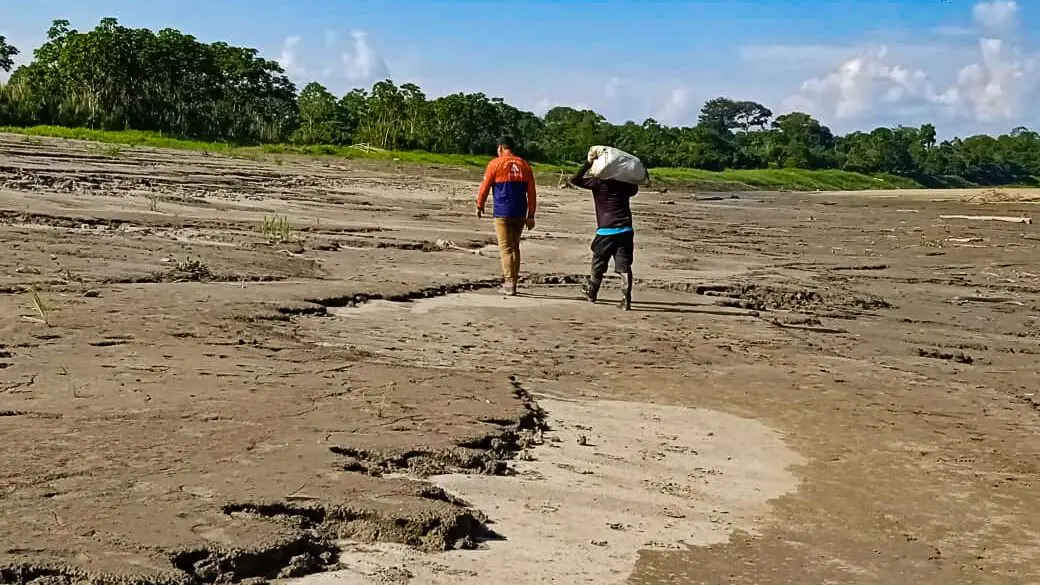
[(612, 478)]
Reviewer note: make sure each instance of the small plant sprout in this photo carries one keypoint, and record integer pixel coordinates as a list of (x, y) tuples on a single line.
[(276, 229), (41, 310), (193, 269)]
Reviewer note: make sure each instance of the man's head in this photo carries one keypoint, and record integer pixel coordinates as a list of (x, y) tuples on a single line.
[(506, 144)]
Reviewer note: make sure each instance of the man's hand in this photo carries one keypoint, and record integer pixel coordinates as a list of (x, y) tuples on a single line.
[(530, 223), (480, 212)]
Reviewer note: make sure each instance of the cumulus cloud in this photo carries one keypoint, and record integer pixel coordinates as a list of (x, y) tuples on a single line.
[(856, 87), (994, 83), (288, 58), (997, 88), (997, 15), (359, 65), (675, 108), (363, 63)]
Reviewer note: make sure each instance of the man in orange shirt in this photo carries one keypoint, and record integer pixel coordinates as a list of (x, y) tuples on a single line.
[(511, 180)]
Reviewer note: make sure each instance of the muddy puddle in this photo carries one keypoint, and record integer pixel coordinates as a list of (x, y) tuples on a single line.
[(610, 480)]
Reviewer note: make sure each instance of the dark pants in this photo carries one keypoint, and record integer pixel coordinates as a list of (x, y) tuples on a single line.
[(620, 247)]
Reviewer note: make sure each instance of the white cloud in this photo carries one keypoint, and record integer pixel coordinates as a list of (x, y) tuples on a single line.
[(997, 88), (991, 84), (359, 65), (856, 87), (996, 15), (288, 58), (675, 108), (362, 63)]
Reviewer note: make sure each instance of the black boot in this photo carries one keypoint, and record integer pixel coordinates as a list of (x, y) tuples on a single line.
[(590, 288), (626, 292)]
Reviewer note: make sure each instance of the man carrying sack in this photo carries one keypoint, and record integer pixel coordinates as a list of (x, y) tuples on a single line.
[(511, 180), (614, 181)]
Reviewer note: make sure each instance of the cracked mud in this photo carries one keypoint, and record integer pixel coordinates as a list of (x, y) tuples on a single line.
[(189, 396)]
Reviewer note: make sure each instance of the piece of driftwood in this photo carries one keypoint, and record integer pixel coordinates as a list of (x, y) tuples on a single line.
[(1007, 218)]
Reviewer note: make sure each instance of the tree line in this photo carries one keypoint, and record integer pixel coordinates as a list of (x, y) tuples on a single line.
[(116, 78)]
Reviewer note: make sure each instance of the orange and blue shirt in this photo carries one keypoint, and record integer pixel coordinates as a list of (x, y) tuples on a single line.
[(511, 180)]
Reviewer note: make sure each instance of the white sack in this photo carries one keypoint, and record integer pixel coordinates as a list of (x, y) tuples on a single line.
[(614, 163)]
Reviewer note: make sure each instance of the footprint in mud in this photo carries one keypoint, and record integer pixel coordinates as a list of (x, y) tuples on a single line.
[(580, 513)]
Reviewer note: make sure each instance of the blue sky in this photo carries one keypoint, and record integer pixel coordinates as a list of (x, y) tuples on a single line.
[(967, 66)]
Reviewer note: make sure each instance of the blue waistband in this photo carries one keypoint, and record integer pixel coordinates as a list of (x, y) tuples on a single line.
[(613, 231)]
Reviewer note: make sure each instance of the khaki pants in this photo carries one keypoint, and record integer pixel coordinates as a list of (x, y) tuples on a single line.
[(509, 230)]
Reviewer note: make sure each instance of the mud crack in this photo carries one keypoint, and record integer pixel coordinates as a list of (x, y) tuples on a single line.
[(296, 556), (771, 298), (25, 573), (452, 525), (936, 354), (488, 453), (318, 306)]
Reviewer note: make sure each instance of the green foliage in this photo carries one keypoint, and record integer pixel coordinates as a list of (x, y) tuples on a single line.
[(319, 123), (116, 78), (7, 54), (136, 86), (192, 269)]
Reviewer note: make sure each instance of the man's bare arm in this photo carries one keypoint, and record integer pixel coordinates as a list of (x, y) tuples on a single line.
[(579, 179)]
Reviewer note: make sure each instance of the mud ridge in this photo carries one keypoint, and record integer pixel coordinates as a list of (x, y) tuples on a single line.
[(307, 547), (118, 221), (422, 462), (410, 245), (935, 354), (295, 556), (453, 525), (317, 306), (770, 298), (25, 573), (487, 454), (556, 279), (27, 414), (355, 299), (198, 274)]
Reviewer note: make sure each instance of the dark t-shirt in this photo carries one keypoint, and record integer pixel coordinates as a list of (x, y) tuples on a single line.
[(611, 198)]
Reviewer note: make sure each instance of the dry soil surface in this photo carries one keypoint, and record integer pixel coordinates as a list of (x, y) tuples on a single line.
[(810, 388)]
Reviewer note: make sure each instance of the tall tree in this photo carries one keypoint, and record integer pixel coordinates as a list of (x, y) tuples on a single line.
[(352, 111), (318, 113), (7, 54)]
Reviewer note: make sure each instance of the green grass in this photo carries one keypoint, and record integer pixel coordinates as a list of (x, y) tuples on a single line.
[(127, 137), (415, 157), (779, 179), (673, 178)]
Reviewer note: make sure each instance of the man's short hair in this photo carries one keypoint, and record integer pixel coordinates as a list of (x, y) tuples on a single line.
[(507, 142)]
